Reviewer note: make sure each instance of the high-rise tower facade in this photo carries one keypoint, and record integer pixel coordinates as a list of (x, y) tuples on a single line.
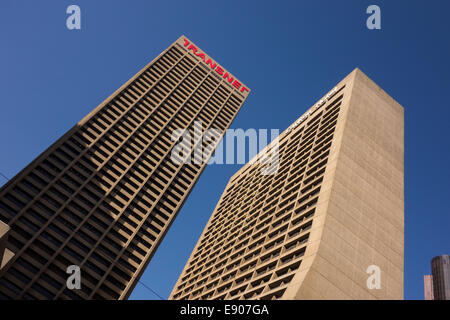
[(103, 196), (328, 224)]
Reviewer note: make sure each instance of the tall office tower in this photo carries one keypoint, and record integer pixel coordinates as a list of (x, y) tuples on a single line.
[(5, 254), (103, 196), (327, 225), (440, 269), (428, 287)]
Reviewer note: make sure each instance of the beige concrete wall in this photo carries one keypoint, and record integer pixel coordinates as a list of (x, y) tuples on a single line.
[(360, 221)]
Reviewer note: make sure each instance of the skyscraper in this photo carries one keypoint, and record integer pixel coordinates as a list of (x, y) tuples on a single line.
[(328, 224), (428, 287), (103, 196), (440, 269), (5, 254)]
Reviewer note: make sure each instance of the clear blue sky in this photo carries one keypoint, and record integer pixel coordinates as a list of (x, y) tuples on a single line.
[(290, 53)]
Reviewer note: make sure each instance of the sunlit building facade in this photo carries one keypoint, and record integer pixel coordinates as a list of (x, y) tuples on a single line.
[(328, 224)]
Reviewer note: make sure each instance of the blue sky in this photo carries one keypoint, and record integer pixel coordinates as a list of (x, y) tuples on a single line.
[(290, 53)]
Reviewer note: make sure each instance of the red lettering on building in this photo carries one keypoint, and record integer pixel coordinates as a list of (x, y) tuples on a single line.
[(201, 55), (215, 67)]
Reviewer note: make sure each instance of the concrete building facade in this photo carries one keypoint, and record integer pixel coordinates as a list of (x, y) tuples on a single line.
[(329, 224), (103, 196)]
